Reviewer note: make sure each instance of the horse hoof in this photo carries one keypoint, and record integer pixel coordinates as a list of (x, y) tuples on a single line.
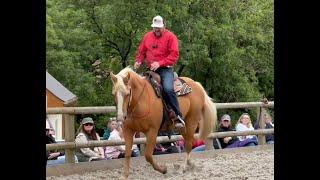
[(163, 169), (190, 163), (192, 166), (123, 178), (176, 166)]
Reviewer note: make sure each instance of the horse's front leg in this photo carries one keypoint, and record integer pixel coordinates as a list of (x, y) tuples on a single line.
[(151, 142), (128, 138)]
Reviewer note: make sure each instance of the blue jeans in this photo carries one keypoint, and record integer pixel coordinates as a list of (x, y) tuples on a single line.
[(60, 160), (135, 153), (246, 142), (270, 142), (251, 144), (170, 96)]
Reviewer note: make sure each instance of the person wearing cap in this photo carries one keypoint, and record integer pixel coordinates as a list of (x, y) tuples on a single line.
[(53, 157), (85, 133), (228, 142), (160, 49), (226, 125), (231, 142)]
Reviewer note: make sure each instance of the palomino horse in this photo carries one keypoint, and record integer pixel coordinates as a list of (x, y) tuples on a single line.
[(141, 111)]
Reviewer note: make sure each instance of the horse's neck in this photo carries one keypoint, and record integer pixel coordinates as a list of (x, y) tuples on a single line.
[(138, 88), (140, 95)]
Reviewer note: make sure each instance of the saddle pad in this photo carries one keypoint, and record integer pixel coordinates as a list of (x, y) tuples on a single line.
[(181, 87)]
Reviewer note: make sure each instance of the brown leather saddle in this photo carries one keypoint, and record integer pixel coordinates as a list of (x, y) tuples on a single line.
[(181, 88)]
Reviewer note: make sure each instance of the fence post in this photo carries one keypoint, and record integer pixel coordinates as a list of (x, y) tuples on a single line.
[(69, 136), (209, 143), (142, 146), (261, 119)]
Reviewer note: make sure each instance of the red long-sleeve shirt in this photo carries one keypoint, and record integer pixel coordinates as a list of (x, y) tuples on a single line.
[(164, 49)]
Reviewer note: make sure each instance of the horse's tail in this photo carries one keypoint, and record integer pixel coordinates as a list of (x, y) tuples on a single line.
[(209, 121)]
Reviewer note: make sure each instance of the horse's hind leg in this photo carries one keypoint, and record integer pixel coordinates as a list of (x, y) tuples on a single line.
[(128, 137), (151, 141), (188, 147), (191, 128)]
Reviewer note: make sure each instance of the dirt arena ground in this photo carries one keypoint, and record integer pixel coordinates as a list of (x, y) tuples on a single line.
[(252, 163)]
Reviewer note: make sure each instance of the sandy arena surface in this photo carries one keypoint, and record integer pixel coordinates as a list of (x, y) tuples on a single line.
[(238, 165)]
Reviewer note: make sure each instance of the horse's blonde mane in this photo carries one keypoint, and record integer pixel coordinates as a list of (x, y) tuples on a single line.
[(122, 74)]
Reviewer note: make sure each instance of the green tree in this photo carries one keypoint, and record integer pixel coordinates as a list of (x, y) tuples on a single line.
[(226, 45)]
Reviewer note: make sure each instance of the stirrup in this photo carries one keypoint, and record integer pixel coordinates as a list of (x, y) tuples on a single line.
[(181, 124)]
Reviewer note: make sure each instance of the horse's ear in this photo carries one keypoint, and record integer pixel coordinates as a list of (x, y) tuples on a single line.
[(126, 79), (113, 78)]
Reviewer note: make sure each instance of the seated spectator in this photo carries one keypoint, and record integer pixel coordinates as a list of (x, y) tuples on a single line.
[(268, 125), (180, 144), (244, 124), (231, 142), (53, 157), (198, 145), (107, 131), (228, 142), (116, 152), (166, 148), (85, 133), (135, 148)]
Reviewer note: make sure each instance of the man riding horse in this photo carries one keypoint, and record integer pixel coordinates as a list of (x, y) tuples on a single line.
[(139, 107), (160, 48)]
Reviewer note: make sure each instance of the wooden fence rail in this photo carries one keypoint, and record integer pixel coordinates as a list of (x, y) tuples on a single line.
[(160, 139), (70, 113), (109, 109)]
